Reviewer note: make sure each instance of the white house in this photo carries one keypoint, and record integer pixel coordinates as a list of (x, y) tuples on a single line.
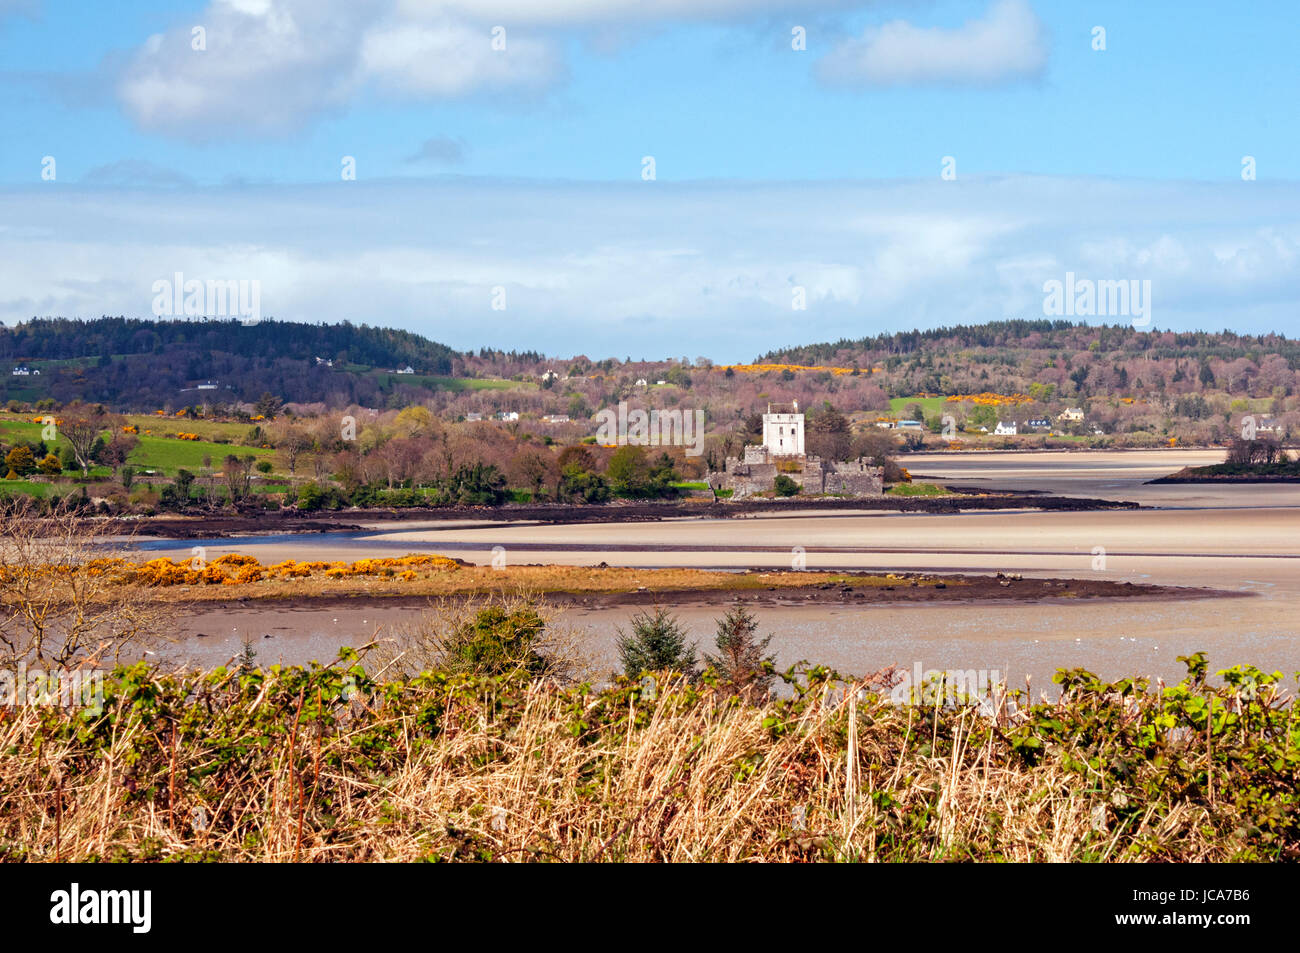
[(472, 416), (25, 371), (1071, 413), (556, 418), (640, 382), (1005, 429), (207, 385), (507, 415)]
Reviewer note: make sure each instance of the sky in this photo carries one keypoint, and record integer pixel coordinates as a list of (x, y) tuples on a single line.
[(652, 178)]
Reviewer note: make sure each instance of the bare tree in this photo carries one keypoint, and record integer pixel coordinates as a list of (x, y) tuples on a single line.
[(117, 450), (65, 596), (238, 472), (82, 424), (293, 442)]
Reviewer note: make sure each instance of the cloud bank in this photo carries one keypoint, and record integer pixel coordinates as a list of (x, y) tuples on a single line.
[(652, 269), (269, 68)]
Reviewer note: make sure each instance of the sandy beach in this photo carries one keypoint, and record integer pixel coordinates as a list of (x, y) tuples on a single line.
[(1237, 539)]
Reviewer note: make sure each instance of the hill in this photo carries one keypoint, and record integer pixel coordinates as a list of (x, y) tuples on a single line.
[(1053, 379), (1077, 359), (138, 365)]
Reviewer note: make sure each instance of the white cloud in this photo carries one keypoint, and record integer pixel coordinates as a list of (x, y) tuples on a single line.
[(1008, 44), (272, 66), (692, 268), (267, 66), (450, 59)]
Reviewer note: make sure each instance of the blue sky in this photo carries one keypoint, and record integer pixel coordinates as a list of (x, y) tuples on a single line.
[(521, 168)]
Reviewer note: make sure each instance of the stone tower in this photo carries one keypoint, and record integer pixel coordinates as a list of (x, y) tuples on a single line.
[(783, 433)]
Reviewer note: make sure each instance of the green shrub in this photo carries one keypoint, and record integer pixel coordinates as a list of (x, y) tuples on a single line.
[(784, 486)]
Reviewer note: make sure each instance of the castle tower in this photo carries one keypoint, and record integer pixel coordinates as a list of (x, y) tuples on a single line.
[(783, 432)]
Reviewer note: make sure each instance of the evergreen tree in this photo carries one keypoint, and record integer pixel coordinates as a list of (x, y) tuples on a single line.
[(741, 660), (657, 642)]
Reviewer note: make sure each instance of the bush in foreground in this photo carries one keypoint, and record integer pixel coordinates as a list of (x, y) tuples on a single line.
[(324, 763)]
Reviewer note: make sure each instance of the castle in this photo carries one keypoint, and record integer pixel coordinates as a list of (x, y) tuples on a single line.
[(782, 453)]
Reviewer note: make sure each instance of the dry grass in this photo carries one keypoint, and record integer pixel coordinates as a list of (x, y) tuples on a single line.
[(265, 767)]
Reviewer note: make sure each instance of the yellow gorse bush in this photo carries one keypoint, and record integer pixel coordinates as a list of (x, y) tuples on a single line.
[(236, 569), (990, 399), (765, 368)]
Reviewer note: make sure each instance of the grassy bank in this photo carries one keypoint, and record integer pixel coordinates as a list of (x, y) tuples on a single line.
[(326, 764)]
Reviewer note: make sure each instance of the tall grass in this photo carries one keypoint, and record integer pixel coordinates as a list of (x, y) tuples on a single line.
[(326, 764)]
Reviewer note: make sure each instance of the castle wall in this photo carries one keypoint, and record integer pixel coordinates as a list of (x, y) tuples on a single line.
[(757, 470)]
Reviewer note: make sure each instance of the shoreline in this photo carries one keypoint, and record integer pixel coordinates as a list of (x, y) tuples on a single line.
[(289, 522)]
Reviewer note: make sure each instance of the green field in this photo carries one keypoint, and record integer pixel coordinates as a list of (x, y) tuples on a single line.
[(9, 487), (467, 383), (917, 489), (437, 382), (167, 456), (164, 455), (932, 405)]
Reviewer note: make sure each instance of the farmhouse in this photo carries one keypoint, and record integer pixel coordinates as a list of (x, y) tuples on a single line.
[(782, 453), (1005, 429)]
